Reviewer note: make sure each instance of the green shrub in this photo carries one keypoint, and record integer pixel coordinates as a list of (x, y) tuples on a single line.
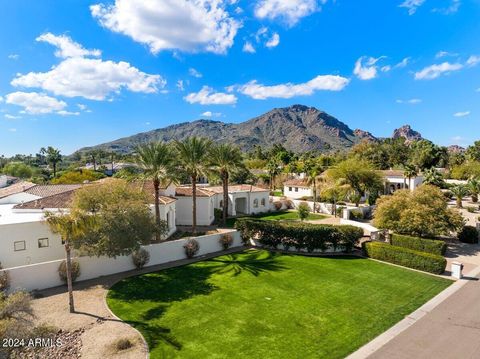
[(140, 258), (62, 270), (356, 214), (303, 211), (4, 280), (218, 214), (471, 209), (468, 234), (419, 244), (226, 240), (405, 257), (299, 235), (191, 248)]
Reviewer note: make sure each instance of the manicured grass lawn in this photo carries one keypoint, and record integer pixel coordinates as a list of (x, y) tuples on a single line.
[(278, 193), (278, 216), (258, 304)]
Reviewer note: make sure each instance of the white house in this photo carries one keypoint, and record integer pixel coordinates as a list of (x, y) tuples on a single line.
[(297, 188), (395, 180), (205, 206)]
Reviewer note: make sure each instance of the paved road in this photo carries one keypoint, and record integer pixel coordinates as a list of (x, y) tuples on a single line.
[(450, 331)]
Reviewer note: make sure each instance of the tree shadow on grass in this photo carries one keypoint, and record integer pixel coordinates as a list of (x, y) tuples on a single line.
[(254, 263)]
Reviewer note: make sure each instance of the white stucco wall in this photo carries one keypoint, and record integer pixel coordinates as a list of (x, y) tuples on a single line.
[(169, 209), (205, 211), (302, 192), (45, 275), (30, 233), (259, 196)]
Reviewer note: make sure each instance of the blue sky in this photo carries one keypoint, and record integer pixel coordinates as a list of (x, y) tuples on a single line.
[(77, 73)]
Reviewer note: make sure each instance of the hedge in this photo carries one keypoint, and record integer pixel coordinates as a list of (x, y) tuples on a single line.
[(419, 244), (405, 257), (299, 235)]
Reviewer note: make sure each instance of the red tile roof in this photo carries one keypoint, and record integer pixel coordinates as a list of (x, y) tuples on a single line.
[(297, 183), (237, 188), (187, 192), (60, 200)]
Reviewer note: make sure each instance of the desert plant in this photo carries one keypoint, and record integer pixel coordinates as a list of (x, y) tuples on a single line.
[(4, 280), (471, 209), (191, 248), (140, 258), (226, 240), (75, 270), (474, 188), (468, 234), (303, 211), (459, 192)]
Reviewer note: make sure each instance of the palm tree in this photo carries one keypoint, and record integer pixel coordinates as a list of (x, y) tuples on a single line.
[(193, 157), (474, 188), (459, 192), (158, 161), (224, 160), (273, 168), (433, 177), (52, 156), (409, 172), (313, 171), (70, 227)]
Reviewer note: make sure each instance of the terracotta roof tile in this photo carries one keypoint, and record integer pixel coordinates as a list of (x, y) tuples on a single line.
[(60, 200), (237, 188), (297, 183), (187, 192), (51, 189)]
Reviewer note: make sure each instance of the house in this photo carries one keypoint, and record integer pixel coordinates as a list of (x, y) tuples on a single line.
[(297, 188), (205, 206), (395, 180)]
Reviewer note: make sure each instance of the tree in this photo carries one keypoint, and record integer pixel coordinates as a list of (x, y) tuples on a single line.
[(303, 211), (473, 151), (52, 156), (18, 169), (474, 188), (459, 191), (425, 154), (158, 161), (225, 159), (358, 174), (273, 168), (313, 171), (466, 170), (433, 177), (334, 191), (423, 212), (409, 172), (193, 157), (77, 176), (72, 228)]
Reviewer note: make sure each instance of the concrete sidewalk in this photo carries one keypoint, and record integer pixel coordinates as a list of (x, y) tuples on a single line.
[(451, 330)]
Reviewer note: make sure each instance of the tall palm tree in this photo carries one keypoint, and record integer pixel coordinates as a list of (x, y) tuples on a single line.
[(158, 161), (273, 168), (53, 156), (70, 227), (459, 192), (193, 157), (433, 177), (474, 188), (313, 171), (409, 172), (225, 159)]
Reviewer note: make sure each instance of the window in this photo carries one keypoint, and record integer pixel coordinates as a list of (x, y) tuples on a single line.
[(19, 246), (42, 242), (290, 189), (262, 202), (255, 203), (296, 189)]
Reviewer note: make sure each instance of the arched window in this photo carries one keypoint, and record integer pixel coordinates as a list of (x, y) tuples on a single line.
[(262, 202), (255, 203)]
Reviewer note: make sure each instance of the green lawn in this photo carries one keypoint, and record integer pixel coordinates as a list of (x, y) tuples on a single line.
[(258, 304), (278, 216)]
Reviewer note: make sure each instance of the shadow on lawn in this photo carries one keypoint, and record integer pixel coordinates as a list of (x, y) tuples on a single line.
[(181, 283)]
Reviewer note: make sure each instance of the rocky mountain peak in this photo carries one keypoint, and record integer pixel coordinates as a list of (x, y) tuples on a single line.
[(407, 133)]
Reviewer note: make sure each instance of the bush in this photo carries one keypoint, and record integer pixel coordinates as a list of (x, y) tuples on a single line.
[(140, 258), (356, 214), (468, 234), (226, 240), (419, 244), (303, 211), (191, 248), (471, 209), (4, 280), (62, 270), (123, 344), (278, 205), (218, 214), (405, 257), (299, 235)]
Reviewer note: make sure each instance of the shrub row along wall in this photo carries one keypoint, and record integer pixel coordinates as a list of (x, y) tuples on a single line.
[(419, 244), (301, 236), (45, 275), (405, 257)]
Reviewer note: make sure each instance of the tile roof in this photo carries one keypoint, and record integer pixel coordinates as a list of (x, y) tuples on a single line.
[(51, 189), (15, 188), (297, 182), (392, 173), (187, 192), (238, 188), (59, 200)]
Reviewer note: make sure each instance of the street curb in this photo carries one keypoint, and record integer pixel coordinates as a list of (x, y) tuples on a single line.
[(375, 344)]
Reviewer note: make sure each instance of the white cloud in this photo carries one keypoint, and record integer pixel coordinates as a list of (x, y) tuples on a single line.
[(180, 85), (211, 114), (441, 54), (473, 60), (412, 5), (68, 113), (35, 103), (1, 99), (66, 47), (274, 41), (403, 63), (366, 68), (259, 91), (461, 114), (434, 71), (92, 79), (386, 68), (451, 9), (290, 11), (248, 47), (206, 96), (12, 130), (11, 117), (412, 101), (187, 25), (13, 56), (194, 73)]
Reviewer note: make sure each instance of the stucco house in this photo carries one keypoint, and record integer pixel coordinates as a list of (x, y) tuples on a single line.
[(395, 180), (297, 188)]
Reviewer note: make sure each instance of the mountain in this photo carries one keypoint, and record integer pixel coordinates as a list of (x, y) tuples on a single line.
[(298, 128), (407, 133)]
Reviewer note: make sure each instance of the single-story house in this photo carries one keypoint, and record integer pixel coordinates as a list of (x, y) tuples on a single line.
[(395, 180), (297, 188)]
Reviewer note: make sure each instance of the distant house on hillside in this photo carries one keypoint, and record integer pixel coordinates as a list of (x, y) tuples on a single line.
[(395, 180), (297, 188)]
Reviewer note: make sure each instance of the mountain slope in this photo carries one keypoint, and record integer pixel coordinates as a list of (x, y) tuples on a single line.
[(298, 128)]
